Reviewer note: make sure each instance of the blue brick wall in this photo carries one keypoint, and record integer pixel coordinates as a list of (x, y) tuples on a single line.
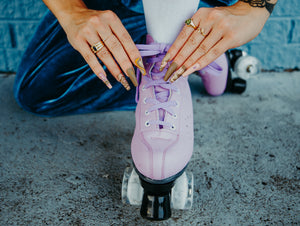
[(18, 21), (278, 45)]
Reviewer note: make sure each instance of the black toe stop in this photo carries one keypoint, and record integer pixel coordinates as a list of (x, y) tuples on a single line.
[(156, 204)]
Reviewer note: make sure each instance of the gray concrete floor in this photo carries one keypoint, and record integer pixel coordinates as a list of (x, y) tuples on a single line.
[(68, 170)]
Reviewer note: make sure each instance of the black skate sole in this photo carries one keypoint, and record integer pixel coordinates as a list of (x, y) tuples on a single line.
[(164, 181)]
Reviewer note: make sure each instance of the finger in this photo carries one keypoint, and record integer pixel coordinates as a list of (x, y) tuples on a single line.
[(202, 31), (221, 47), (130, 48), (94, 64), (209, 41), (117, 50), (189, 47), (105, 56), (179, 42), (121, 57)]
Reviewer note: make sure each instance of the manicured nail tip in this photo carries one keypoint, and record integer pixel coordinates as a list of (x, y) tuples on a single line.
[(105, 80), (164, 61), (181, 70), (133, 80), (108, 85), (143, 72), (174, 78), (131, 75), (122, 80), (166, 58), (170, 71), (163, 65), (178, 73), (139, 63), (126, 86)]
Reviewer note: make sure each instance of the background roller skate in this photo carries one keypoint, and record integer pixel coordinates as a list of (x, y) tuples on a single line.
[(229, 72), (241, 68)]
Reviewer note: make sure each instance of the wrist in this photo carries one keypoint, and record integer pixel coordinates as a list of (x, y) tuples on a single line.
[(69, 15), (268, 5), (244, 8), (65, 11)]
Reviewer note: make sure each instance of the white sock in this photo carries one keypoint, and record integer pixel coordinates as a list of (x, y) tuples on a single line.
[(165, 18)]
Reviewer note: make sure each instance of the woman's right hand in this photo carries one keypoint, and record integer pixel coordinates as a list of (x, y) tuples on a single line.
[(85, 27)]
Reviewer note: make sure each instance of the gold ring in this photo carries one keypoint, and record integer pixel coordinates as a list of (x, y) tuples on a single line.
[(190, 23), (201, 31), (97, 47)]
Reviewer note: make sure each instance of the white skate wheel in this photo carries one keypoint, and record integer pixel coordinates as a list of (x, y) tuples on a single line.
[(132, 191), (182, 192), (247, 66)]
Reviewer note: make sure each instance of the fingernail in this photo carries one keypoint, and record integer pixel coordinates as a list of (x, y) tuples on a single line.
[(164, 61), (170, 71), (195, 67), (105, 80), (139, 63), (178, 73), (123, 81), (131, 75)]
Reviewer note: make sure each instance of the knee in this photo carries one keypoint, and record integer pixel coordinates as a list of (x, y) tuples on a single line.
[(28, 97), (23, 98)]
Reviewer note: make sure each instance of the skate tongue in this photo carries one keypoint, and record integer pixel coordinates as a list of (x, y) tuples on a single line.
[(161, 94), (149, 39), (155, 52)]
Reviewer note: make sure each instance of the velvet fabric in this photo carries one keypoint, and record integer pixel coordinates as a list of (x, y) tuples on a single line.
[(53, 79)]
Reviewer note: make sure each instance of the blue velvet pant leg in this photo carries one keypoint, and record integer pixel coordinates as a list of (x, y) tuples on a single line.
[(53, 79)]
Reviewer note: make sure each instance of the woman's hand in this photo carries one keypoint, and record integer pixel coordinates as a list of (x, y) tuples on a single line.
[(218, 29), (85, 28)]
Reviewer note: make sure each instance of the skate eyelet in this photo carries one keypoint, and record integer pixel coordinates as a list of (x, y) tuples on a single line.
[(143, 88), (174, 116), (147, 112), (145, 100), (173, 127), (177, 103), (147, 123)]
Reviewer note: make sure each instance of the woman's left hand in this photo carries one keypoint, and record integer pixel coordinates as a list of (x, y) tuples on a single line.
[(216, 30)]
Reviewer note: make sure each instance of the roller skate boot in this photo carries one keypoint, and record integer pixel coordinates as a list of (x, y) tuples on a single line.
[(162, 143), (214, 76)]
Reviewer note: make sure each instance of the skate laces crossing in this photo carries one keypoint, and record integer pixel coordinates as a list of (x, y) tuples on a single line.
[(154, 78)]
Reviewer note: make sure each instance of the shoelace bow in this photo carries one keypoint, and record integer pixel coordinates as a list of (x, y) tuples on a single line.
[(163, 89)]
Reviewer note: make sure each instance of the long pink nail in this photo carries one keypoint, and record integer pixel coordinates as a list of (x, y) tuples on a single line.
[(105, 80), (195, 67)]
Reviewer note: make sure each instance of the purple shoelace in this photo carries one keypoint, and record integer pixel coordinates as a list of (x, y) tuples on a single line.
[(154, 78)]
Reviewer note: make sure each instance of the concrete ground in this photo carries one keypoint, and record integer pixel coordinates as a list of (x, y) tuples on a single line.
[(68, 170)]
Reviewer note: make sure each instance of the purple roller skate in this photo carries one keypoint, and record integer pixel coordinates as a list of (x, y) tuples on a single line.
[(162, 143)]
